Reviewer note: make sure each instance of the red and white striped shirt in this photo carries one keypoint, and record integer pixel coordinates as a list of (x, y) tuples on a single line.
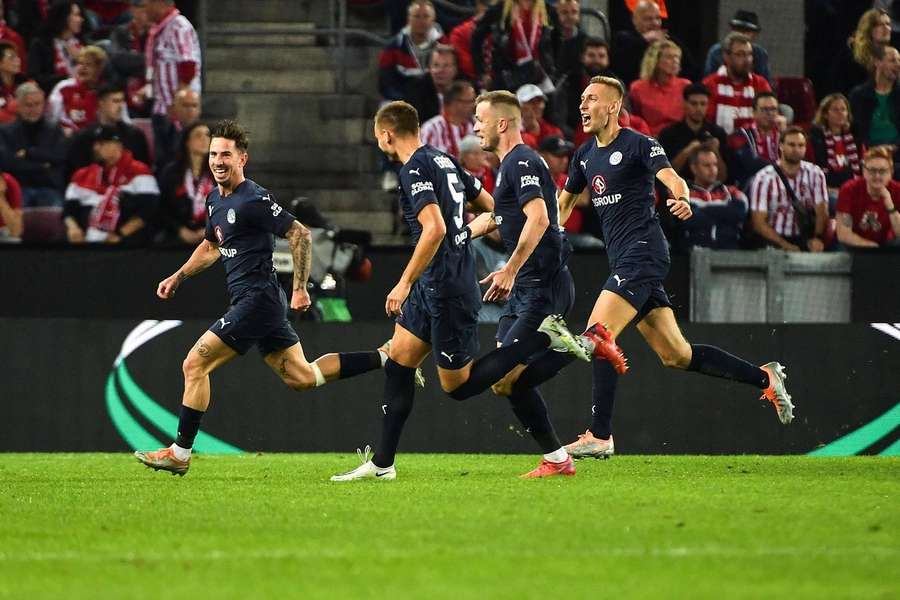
[(730, 103), (440, 133), (768, 195), (173, 56)]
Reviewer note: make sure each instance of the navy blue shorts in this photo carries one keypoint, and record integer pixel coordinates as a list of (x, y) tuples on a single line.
[(450, 325), (258, 318), (640, 282), (528, 306)]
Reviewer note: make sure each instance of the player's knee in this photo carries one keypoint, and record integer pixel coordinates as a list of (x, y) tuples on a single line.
[(193, 367)]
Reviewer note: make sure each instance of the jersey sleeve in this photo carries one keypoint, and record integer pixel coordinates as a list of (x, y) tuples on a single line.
[(527, 181), (416, 184), (652, 155), (266, 214), (576, 181), (471, 183)]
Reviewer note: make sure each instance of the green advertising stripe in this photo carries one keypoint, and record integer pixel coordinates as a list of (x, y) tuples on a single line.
[(163, 419), (130, 430), (857, 441)]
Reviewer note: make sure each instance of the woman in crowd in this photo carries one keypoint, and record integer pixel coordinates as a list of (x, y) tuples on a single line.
[(657, 95), (53, 55), (855, 63), (184, 185), (10, 78), (832, 145)]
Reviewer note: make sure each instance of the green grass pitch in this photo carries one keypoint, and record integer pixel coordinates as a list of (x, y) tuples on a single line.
[(451, 526)]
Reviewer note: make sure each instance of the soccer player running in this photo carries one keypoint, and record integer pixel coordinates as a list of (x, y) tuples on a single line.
[(243, 220), (618, 166), (437, 299)]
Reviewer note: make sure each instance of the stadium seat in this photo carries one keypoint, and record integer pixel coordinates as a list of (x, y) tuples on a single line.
[(798, 93), (42, 225)]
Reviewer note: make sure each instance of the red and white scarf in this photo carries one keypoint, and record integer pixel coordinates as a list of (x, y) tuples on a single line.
[(63, 63), (766, 143), (197, 189), (525, 47), (842, 152)]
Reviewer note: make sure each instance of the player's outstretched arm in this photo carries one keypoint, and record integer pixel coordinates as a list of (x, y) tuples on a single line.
[(481, 225), (536, 222), (204, 255), (681, 207), (300, 241), (433, 232)]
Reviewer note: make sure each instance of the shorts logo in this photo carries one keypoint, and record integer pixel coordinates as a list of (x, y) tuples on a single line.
[(530, 180), (615, 158), (449, 358), (420, 186), (223, 323), (219, 235), (599, 184), (619, 280), (231, 217)]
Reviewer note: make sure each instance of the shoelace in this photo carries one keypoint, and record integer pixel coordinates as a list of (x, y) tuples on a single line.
[(364, 454)]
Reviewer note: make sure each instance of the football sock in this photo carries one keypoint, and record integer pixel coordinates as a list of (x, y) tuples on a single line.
[(188, 426), (543, 368), (399, 388), (715, 362), (604, 392), (383, 356), (557, 456), (529, 407), (356, 363), (490, 368)]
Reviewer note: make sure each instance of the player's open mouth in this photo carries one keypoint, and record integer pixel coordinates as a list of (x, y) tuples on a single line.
[(220, 171), (585, 118)]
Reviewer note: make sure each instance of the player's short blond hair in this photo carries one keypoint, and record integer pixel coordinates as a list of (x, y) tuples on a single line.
[(501, 98), (400, 117), (610, 82)]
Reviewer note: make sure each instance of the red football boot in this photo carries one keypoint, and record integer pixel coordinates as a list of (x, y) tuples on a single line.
[(605, 347), (551, 469)]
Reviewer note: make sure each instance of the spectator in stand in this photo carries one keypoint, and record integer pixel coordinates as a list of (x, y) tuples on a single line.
[(112, 200), (184, 113), (522, 46), (184, 185), (428, 95), (110, 108), (747, 23), (73, 103), (446, 130), (629, 45), (556, 150), (755, 146), (867, 206), (775, 214), (855, 62), (719, 210), (173, 66), (876, 103), (461, 40), (832, 145), (53, 54), (8, 34), (477, 162), (657, 97), (108, 12), (534, 126), (11, 224), (128, 57), (568, 37), (734, 86), (682, 139), (401, 64), (10, 78), (594, 61), (34, 151)]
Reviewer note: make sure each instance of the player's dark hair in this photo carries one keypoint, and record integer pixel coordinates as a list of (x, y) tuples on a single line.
[(593, 42), (760, 95), (400, 117), (232, 130), (109, 87), (695, 89), (792, 130), (457, 89), (502, 97), (610, 82)]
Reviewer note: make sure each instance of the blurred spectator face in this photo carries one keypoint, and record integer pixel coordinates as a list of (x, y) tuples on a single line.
[(474, 161), (695, 108), (198, 141), (646, 18), (669, 64), (558, 164), (765, 113), (88, 70), (76, 20), (705, 169), (533, 109), (525, 4), (838, 115), (463, 108), (186, 107), (889, 66), (877, 173), (156, 10), (881, 32), (140, 19), (793, 148), (110, 107), (31, 107), (10, 63), (569, 14), (595, 59), (420, 19), (739, 60), (442, 69), (109, 153)]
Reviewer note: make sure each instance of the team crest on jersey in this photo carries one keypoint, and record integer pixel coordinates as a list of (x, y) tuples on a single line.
[(615, 158), (231, 216), (219, 235), (599, 184)]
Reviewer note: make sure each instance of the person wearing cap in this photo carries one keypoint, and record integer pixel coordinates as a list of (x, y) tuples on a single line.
[(555, 150), (113, 199), (477, 162), (747, 23), (533, 102)]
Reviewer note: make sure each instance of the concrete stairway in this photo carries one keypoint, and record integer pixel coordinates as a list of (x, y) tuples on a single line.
[(280, 81)]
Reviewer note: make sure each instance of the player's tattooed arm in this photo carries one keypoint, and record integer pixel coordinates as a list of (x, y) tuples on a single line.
[(681, 207), (205, 254), (300, 242)]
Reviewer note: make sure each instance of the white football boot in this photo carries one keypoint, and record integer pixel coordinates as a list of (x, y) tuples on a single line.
[(367, 470)]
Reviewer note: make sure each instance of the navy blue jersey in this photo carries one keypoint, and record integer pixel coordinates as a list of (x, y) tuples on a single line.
[(433, 177), (523, 177), (244, 225), (621, 179)]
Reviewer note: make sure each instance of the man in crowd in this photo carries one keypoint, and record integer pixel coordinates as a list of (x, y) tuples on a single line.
[(128, 57), (734, 86), (446, 130), (746, 23), (756, 145), (534, 126), (185, 111), (568, 37), (73, 102), (629, 45), (719, 211), (794, 218), (684, 138), (867, 206), (428, 93), (402, 63), (555, 151)]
